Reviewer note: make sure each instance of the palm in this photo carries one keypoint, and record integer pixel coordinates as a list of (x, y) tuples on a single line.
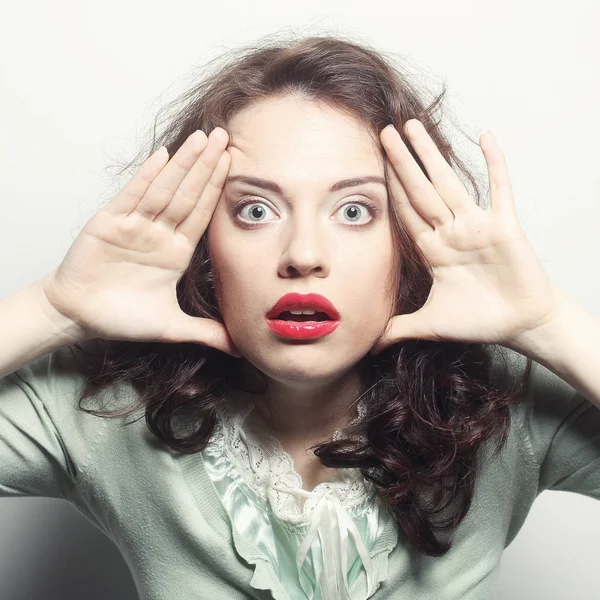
[(483, 282), (125, 270), (119, 279), (488, 285)]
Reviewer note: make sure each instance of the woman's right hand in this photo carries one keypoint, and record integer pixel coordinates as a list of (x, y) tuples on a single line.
[(118, 280)]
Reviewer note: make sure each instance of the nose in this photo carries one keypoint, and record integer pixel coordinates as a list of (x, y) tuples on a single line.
[(305, 249)]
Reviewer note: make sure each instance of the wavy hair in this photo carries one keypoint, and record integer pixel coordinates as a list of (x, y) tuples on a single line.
[(431, 405)]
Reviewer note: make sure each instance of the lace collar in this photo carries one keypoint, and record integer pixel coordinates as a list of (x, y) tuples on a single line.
[(265, 466)]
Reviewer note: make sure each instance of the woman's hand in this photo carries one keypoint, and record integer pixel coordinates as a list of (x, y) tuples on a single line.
[(489, 286), (118, 279)]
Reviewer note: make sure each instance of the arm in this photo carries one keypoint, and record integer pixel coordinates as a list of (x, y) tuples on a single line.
[(568, 345), (31, 327)]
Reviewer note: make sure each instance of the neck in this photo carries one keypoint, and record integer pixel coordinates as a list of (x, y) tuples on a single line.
[(302, 413)]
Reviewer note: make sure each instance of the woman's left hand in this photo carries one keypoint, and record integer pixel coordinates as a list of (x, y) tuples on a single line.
[(488, 284)]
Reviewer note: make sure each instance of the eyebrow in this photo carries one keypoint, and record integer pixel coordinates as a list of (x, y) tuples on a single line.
[(267, 184)]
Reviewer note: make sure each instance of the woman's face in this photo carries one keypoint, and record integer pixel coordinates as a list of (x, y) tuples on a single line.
[(306, 239)]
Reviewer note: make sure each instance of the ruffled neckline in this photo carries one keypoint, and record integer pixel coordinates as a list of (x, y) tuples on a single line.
[(264, 577), (265, 465)]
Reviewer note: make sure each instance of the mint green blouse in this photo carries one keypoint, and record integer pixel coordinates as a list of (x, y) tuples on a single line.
[(315, 543), (232, 523)]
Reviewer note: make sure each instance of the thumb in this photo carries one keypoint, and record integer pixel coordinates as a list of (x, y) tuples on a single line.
[(200, 330), (403, 327)]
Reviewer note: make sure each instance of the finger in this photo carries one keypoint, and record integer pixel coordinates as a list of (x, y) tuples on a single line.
[(419, 189), (164, 186), (414, 222), (502, 201), (445, 181), (189, 192), (127, 199), (194, 226)]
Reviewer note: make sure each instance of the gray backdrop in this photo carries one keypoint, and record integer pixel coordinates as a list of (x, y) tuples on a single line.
[(80, 84)]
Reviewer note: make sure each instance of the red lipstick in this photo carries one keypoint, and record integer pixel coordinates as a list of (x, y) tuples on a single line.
[(303, 329)]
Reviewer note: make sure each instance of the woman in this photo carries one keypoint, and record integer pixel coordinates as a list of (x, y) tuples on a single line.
[(288, 454)]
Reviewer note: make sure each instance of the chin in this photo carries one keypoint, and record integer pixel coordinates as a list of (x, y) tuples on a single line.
[(301, 364)]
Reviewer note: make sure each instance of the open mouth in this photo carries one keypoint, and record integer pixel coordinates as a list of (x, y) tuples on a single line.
[(288, 316)]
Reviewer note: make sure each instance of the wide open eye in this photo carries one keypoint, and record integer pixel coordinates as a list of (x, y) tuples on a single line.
[(351, 211), (256, 212)]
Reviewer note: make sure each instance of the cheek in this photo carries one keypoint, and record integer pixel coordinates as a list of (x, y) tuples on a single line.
[(240, 267), (236, 282), (371, 283), (223, 260)]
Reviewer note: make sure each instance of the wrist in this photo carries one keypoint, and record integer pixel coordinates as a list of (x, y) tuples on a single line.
[(541, 339), (62, 326)]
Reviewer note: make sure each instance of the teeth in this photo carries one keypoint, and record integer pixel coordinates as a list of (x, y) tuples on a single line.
[(303, 311)]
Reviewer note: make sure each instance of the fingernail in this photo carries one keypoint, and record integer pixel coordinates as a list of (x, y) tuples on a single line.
[(219, 133)]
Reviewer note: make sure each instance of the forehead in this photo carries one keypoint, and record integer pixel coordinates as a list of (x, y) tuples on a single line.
[(291, 129)]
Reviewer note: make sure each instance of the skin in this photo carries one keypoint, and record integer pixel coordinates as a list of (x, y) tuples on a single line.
[(311, 246)]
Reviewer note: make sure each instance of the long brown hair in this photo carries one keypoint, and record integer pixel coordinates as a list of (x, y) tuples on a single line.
[(430, 404)]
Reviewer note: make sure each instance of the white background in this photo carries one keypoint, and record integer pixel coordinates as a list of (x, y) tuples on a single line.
[(80, 85)]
